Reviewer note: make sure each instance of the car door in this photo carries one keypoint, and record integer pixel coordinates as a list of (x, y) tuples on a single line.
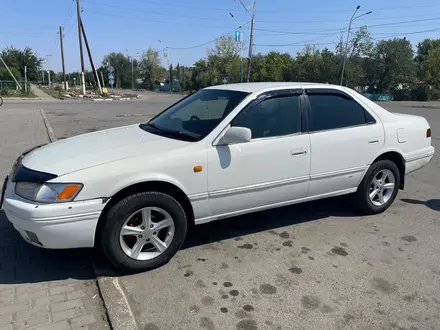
[(344, 138), (271, 169)]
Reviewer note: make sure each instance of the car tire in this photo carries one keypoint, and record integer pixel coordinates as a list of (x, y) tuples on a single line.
[(117, 218), (367, 187)]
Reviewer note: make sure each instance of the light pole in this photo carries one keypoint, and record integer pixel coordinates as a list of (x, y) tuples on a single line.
[(348, 36), (241, 46), (167, 55), (132, 70), (48, 67)]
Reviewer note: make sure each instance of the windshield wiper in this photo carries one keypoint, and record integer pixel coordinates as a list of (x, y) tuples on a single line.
[(172, 133)]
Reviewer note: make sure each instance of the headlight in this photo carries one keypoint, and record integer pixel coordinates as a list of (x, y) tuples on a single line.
[(48, 192)]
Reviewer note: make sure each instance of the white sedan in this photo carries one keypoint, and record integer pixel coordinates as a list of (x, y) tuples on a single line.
[(220, 152)]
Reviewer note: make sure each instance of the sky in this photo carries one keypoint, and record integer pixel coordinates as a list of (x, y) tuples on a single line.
[(189, 27)]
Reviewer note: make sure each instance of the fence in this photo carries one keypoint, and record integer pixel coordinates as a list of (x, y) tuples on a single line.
[(378, 97), (12, 85)]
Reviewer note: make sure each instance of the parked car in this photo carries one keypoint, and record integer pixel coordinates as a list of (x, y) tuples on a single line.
[(220, 152)]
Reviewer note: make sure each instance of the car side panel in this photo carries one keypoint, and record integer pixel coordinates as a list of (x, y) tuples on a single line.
[(177, 169)]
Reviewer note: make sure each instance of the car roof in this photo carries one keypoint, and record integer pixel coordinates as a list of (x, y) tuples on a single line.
[(258, 86)]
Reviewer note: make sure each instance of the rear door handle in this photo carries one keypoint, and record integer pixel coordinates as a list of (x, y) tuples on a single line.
[(373, 141), (299, 153)]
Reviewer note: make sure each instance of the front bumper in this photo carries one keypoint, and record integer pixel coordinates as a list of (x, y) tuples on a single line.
[(53, 226)]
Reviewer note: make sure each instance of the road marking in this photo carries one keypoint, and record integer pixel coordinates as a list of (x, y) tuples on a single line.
[(49, 129)]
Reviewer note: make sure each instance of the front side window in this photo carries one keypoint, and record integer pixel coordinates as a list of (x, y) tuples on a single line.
[(272, 117), (194, 117), (331, 111)]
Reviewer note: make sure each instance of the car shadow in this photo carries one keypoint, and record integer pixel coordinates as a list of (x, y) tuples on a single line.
[(253, 223), (433, 204), (21, 262)]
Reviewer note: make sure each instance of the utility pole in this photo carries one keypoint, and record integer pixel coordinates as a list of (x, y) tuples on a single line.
[(251, 40), (90, 58), (83, 78), (62, 58)]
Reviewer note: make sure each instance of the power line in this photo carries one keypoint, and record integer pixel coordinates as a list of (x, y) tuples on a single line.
[(155, 13), (158, 21)]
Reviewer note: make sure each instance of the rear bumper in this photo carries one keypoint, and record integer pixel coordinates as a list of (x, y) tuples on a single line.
[(419, 160), (53, 226)]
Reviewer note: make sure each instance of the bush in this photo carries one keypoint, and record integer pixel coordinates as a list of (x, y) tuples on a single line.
[(4, 92), (58, 89), (434, 95)]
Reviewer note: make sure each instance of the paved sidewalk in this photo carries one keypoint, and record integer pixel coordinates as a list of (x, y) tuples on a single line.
[(40, 289), (39, 93)]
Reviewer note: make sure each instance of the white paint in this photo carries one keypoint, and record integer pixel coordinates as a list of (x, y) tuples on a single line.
[(236, 179)]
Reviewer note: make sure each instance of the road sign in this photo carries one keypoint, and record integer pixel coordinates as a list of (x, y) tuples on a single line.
[(111, 82), (111, 76), (111, 69), (129, 59), (165, 52), (237, 35), (225, 79)]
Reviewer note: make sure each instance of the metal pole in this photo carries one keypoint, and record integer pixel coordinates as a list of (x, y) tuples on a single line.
[(90, 57), (251, 40), (102, 77), (241, 55), (83, 80), (346, 44), (62, 58), (25, 79), (132, 74)]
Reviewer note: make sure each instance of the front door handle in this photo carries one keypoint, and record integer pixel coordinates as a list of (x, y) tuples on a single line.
[(373, 141), (299, 153)]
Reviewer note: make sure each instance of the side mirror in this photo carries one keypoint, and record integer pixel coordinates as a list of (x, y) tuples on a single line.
[(237, 135)]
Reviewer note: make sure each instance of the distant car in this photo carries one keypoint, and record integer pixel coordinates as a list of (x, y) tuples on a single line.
[(220, 152)]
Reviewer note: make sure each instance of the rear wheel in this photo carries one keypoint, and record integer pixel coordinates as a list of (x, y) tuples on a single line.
[(1, 101), (379, 187), (143, 231)]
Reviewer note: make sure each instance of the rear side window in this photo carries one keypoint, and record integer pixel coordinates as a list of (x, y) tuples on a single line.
[(331, 111)]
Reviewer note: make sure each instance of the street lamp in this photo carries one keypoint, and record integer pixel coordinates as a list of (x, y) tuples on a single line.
[(132, 70), (48, 67), (167, 55), (241, 46), (352, 19)]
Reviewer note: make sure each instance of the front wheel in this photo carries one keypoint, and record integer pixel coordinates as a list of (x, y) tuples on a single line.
[(379, 187), (143, 231)]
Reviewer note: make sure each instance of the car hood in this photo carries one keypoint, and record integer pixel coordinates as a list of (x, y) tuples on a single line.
[(92, 149)]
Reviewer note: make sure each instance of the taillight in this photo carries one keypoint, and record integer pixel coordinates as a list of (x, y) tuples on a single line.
[(428, 133)]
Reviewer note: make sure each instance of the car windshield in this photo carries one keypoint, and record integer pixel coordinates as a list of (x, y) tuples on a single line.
[(194, 117)]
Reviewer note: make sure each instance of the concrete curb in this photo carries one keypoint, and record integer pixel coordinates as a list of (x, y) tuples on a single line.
[(118, 99), (21, 98), (49, 129), (118, 309)]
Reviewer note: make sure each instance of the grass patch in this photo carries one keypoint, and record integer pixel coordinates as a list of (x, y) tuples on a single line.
[(5, 93)]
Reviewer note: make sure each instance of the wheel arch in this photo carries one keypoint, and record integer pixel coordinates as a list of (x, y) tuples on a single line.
[(397, 158), (154, 185)]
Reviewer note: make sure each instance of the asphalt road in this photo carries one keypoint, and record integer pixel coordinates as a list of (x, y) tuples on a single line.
[(318, 265)]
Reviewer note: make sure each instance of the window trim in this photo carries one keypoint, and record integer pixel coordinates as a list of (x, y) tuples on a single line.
[(335, 92), (271, 95)]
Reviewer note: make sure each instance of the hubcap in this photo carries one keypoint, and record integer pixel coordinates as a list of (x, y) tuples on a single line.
[(382, 187), (147, 233)]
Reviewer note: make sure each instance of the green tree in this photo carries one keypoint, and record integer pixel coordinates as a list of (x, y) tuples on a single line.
[(390, 66), (150, 69), (122, 69), (432, 66), (423, 49), (19, 58)]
